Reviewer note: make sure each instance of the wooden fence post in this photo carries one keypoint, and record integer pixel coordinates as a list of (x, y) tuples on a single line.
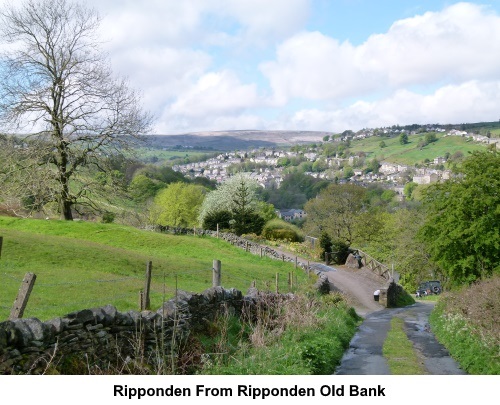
[(1, 243), (147, 287), (216, 275), (217, 231), (23, 296), (141, 300)]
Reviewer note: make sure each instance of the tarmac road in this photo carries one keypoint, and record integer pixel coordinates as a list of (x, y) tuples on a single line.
[(364, 356)]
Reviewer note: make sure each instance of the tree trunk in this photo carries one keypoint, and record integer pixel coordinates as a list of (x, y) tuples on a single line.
[(65, 208), (65, 202)]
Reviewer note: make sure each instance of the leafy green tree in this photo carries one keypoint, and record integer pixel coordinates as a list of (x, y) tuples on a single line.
[(382, 144), (325, 242), (403, 139), (430, 137), (178, 205), (395, 242), (142, 187), (266, 211), (409, 188), (221, 219), (340, 251), (242, 208), (319, 165), (348, 172), (388, 195), (462, 229), (373, 166), (335, 211)]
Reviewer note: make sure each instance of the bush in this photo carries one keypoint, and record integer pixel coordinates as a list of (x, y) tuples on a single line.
[(108, 217), (325, 242), (219, 217), (318, 351), (307, 335), (466, 322), (249, 223), (340, 251), (277, 229)]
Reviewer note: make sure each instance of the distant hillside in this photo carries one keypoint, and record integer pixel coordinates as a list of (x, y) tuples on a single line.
[(231, 140)]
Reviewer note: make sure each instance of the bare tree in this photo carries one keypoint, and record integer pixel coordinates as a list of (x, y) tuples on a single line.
[(55, 79)]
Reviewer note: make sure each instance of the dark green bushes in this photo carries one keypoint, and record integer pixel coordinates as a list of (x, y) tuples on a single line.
[(277, 229)]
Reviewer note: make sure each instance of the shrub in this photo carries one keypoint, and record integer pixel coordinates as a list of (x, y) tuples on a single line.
[(306, 336), (340, 251), (108, 217), (218, 217), (325, 242), (277, 229), (250, 222), (466, 322), (317, 351)]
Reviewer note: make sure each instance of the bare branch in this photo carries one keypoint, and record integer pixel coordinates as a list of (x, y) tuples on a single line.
[(55, 78)]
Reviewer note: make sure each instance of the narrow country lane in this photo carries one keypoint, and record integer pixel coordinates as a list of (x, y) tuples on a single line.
[(364, 356)]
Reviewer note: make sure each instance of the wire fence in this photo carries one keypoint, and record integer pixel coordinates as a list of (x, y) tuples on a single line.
[(50, 299), (57, 295)]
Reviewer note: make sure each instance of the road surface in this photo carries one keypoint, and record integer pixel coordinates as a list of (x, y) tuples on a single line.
[(364, 356)]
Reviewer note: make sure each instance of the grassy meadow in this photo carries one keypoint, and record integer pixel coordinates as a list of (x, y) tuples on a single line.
[(146, 154), (85, 265), (411, 153)]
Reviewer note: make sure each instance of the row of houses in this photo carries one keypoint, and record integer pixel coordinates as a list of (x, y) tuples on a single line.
[(291, 214)]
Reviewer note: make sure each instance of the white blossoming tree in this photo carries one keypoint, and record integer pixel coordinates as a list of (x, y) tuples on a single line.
[(233, 204)]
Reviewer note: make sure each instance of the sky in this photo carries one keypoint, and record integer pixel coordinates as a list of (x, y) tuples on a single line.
[(213, 65)]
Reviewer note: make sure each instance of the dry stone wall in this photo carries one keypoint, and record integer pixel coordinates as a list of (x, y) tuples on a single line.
[(105, 335), (30, 346)]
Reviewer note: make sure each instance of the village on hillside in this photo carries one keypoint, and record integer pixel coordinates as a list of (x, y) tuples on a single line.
[(268, 165)]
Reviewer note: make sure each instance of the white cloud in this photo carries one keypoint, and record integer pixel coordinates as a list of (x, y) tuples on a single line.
[(472, 101), (184, 57), (215, 93), (451, 46), (161, 74), (191, 22), (217, 100), (264, 20)]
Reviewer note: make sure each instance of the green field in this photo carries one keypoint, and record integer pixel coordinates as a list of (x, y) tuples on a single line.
[(154, 155), (411, 153), (86, 265)]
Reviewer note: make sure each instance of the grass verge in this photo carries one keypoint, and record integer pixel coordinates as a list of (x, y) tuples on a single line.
[(308, 336), (466, 322), (399, 351)]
